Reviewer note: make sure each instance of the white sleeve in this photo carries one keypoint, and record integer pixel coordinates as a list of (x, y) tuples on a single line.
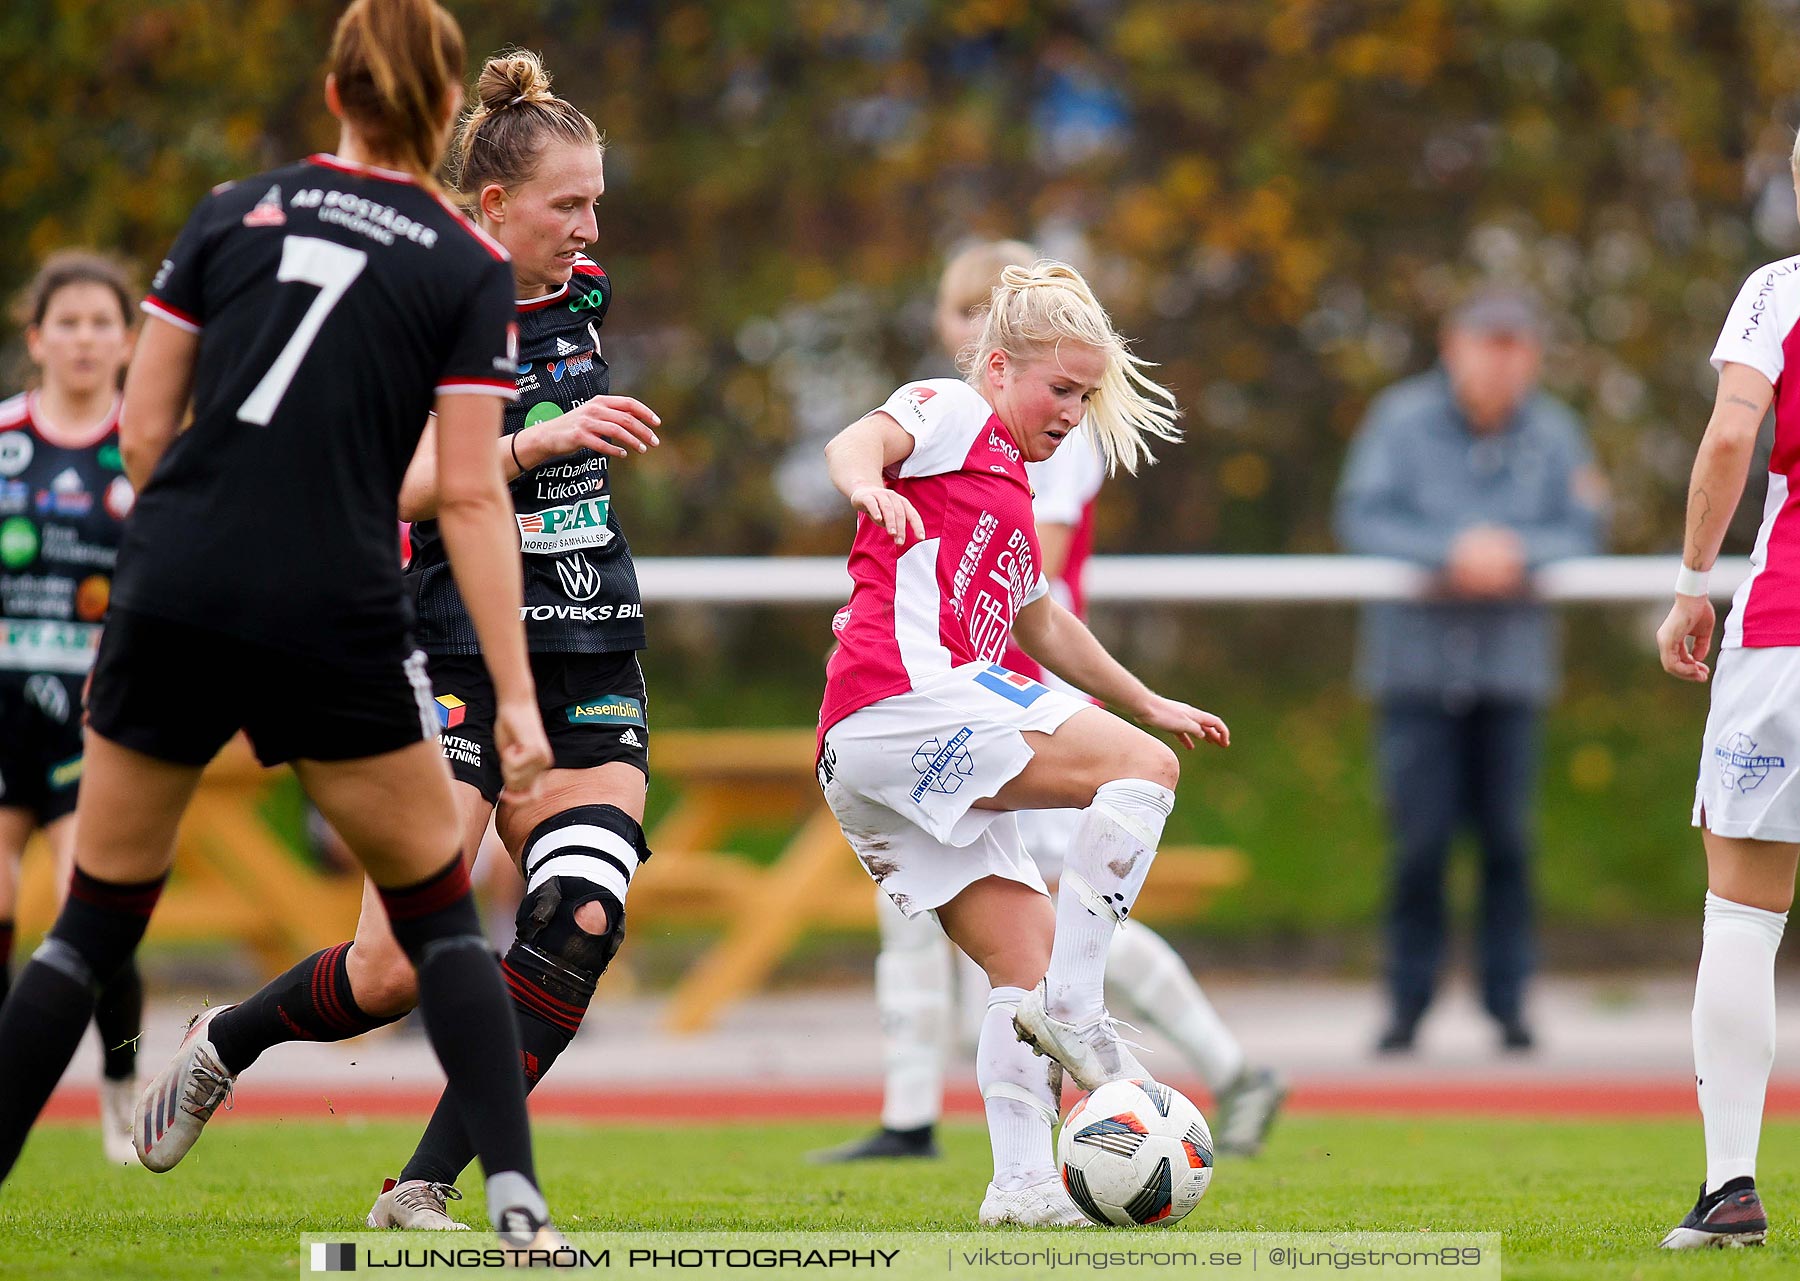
[(1039, 590), (944, 417), (1759, 320), (1065, 483)]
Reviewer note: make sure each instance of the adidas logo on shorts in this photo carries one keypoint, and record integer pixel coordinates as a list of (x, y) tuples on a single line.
[(630, 739), (566, 348)]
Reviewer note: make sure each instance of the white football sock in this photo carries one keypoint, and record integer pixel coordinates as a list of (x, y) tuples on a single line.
[(1734, 1032), (1107, 864), (1017, 1093), (1153, 979), (912, 996)]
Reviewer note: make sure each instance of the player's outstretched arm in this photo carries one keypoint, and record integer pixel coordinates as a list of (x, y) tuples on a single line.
[(476, 518), (605, 424), (1062, 642), (1717, 483), (856, 458), (157, 388)]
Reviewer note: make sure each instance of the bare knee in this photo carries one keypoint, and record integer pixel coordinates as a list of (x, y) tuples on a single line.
[(1152, 760), (382, 980), (591, 916)]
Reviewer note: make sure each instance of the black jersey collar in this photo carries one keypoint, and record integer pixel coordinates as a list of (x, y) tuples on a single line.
[(538, 304), (368, 171)]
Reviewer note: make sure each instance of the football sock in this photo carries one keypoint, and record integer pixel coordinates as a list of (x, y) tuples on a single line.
[(119, 1019), (311, 1002), (1110, 857), (912, 996), (6, 947), (48, 1009), (549, 1011), (463, 1003), (1019, 1093), (1157, 984), (1734, 1032)]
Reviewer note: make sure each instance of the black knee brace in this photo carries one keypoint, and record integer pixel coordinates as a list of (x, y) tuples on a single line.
[(584, 855)]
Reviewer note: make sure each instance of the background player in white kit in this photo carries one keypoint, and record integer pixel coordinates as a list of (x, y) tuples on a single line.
[(920, 1020), (1747, 802), (927, 744)]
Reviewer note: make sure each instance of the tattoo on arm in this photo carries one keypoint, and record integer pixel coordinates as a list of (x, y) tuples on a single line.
[(1700, 503), (1751, 405)]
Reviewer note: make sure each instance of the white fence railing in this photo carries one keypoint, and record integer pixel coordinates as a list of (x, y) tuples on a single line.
[(823, 580)]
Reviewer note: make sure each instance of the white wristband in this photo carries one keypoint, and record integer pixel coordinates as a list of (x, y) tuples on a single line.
[(1691, 582)]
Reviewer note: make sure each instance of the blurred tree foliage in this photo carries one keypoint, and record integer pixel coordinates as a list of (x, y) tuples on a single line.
[(1276, 198)]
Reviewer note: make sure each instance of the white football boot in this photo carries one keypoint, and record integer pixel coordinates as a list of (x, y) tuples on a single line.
[(181, 1098), (118, 1099), (1093, 1053), (415, 1206), (1040, 1205), (1246, 1109)]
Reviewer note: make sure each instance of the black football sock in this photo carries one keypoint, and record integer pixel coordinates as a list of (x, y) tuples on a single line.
[(119, 1019), (550, 1009), (311, 1002), (464, 1006), (48, 1010)]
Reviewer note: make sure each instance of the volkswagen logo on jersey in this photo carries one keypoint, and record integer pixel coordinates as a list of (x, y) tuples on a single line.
[(580, 580), (555, 530)]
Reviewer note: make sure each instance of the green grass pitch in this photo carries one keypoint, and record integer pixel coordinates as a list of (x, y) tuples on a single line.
[(1573, 1199)]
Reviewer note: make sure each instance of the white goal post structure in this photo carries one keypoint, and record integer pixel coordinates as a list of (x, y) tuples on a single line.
[(1273, 580)]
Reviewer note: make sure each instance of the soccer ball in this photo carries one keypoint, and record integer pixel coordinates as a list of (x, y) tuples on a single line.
[(1135, 1152)]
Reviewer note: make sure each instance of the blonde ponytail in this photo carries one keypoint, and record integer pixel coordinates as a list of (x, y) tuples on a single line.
[(1037, 307)]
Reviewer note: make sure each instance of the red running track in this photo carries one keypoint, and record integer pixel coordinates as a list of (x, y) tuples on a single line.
[(1570, 1097)]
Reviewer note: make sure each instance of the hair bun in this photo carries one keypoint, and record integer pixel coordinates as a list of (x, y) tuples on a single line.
[(510, 78)]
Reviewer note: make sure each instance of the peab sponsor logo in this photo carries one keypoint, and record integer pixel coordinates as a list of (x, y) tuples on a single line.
[(555, 530), (613, 709)]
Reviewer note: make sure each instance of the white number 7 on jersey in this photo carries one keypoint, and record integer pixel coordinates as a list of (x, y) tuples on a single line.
[(312, 262)]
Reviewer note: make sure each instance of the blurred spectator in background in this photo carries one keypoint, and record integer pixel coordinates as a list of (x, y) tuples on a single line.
[(1473, 472)]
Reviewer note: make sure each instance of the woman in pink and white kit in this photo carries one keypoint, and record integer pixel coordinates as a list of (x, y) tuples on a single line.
[(1747, 801), (927, 745)]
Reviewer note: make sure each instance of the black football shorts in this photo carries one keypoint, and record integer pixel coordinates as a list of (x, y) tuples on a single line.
[(594, 710), (178, 692), (40, 742)]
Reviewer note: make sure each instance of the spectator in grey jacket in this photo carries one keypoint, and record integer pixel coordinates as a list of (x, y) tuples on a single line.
[(1473, 472)]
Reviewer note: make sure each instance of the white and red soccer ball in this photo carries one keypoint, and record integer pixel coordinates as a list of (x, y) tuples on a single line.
[(1135, 1152)]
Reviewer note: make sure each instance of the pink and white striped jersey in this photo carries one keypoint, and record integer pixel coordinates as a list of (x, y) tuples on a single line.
[(1064, 488), (1763, 332), (918, 611)]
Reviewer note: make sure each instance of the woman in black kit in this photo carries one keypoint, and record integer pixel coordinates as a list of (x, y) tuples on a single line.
[(314, 315), (63, 502), (530, 166)]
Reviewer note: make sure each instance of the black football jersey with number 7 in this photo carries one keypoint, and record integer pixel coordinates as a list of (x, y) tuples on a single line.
[(334, 303)]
